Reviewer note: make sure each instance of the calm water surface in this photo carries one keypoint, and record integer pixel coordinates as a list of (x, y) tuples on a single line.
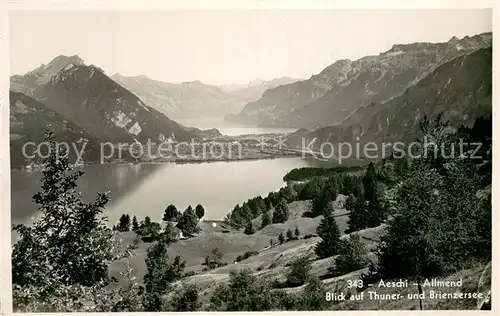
[(231, 129), (147, 189)]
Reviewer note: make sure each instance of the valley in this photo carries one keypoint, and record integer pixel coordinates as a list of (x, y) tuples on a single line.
[(256, 196)]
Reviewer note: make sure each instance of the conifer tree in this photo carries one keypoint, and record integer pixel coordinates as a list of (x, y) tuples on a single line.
[(329, 232)]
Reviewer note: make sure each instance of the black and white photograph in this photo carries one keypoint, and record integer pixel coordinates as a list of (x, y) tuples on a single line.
[(249, 159)]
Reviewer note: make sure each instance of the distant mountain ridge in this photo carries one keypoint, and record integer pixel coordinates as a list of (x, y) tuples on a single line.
[(328, 98), (98, 105), (192, 99), (254, 89), (461, 89)]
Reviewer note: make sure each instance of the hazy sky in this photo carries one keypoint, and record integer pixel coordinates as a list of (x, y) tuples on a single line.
[(220, 47)]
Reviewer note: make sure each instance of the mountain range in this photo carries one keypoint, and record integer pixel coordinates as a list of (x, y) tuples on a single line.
[(196, 99), (375, 98), (80, 100), (254, 89), (328, 98), (460, 90)]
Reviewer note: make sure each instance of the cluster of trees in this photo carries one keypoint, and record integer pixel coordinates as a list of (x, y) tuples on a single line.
[(307, 173), (214, 259), (187, 222), (245, 292), (171, 214), (290, 236), (441, 221), (352, 256), (275, 203)]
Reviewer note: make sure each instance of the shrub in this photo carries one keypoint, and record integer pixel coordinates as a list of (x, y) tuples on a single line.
[(244, 292), (249, 228), (281, 238), (353, 256), (214, 259), (299, 272), (189, 273), (185, 299)]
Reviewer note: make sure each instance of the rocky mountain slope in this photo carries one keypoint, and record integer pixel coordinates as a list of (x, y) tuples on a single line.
[(29, 120), (328, 98), (254, 89), (184, 100), (460, 89), (28, 82), (97, 104)]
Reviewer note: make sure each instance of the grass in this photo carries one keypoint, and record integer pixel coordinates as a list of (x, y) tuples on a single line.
[(271, 263)]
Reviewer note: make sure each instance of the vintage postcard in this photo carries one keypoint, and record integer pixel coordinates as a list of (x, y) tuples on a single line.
[(248, 157)]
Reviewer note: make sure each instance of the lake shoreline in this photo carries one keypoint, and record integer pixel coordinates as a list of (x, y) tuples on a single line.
[(37, 168)]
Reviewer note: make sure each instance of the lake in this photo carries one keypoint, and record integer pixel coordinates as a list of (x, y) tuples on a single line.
[(147, 189), (230, 129)]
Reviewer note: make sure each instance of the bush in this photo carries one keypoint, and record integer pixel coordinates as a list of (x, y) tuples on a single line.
[(244, 292), (247, 255), (299, 272), (353, 256), (214, 259), (185, 300), (280, 214), (249, 228), (308, 236), (281, 238)]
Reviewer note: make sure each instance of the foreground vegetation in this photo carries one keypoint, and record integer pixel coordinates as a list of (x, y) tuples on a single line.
[(435, 213)]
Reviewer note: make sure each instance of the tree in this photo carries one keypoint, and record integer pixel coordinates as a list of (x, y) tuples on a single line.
[(64, 255), (124, 223), (359, 216), (188, 223), (329, 232), (249, 228), (281, 238), (135, 224), (160, 273), (297, 232), (280, 214), (200, 211), (149, 228), (320, 203), (288, 193), (353, 256), (313, 296), (311, 189), (298, 272), (214, 259), (369, 179), (435, 217), (242, 293), (247, 211), (350, 202), (377, 210), (269, 204), (186, 299), (171, 214), (266, 219), (289, 235)]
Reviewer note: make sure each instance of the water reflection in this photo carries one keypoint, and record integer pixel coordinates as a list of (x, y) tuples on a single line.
[(146, 190)]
